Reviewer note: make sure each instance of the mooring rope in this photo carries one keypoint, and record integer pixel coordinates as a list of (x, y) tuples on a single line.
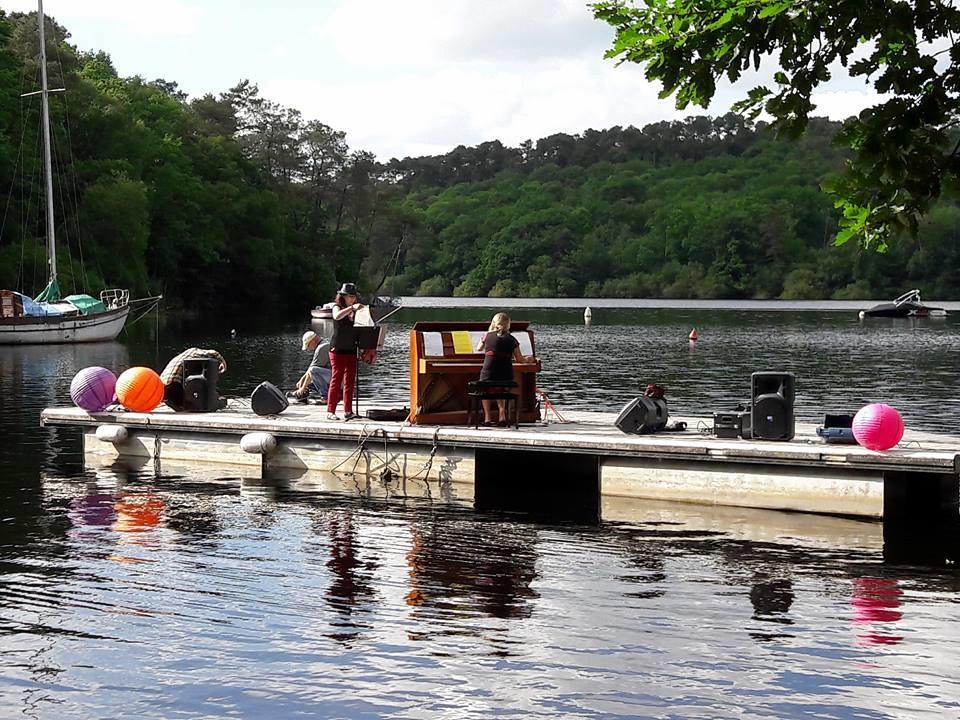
[(358, 451), (428, 465)]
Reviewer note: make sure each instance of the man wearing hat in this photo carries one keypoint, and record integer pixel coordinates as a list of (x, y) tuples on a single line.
[(317, 377)]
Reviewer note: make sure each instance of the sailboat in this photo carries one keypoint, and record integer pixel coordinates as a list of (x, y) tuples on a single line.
[(51, 318)]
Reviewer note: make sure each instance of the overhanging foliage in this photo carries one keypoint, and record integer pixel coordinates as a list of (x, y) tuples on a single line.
[(904, 147)]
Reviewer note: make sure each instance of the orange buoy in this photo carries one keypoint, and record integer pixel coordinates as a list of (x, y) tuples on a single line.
[(693, 334), (139, 389)]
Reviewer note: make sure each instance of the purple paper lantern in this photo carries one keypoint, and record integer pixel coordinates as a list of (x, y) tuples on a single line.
[(877, 426), (92, 389)]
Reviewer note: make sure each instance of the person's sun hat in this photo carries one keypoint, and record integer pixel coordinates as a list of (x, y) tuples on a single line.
[(308, 337), (348, 289)]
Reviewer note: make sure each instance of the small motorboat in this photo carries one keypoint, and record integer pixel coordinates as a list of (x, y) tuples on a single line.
[(907, 305), (321, 317)]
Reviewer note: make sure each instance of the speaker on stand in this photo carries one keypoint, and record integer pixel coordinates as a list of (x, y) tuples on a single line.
[(773, 395)]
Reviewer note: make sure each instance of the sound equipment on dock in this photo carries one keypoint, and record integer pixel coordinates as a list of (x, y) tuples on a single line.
[(200, 377), (772, 398), (732, 424), (837, 428), (388, 414), (645, 414), (268, 399)]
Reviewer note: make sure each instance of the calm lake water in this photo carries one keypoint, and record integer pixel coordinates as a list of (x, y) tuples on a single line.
[(177, 592)]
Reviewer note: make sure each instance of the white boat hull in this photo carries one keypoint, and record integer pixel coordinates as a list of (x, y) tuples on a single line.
[(50, 330)]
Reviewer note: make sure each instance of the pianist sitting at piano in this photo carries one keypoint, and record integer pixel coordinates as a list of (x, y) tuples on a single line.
[(499, 349)]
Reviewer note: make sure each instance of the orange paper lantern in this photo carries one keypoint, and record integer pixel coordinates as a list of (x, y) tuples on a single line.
[(139, 389)]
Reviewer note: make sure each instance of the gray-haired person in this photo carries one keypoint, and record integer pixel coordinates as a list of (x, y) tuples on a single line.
[(316, 379)]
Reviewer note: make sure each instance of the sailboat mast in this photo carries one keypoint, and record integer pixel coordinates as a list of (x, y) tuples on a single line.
[(47, 162)]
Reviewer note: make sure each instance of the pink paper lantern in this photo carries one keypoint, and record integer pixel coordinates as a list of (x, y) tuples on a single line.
[(92, 388), (877, 426)]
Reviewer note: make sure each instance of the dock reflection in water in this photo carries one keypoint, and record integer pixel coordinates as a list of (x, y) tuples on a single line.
[(189, 594), (209, 592)]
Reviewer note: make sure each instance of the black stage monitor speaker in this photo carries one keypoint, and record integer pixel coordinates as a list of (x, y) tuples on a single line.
[(642, 415), (268, 399), (200, 377), (772, 412)]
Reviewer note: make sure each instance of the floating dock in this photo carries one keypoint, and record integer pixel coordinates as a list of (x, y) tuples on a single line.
[(588, 456)]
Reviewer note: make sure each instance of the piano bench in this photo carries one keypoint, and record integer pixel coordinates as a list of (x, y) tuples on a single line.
[(478, 391)]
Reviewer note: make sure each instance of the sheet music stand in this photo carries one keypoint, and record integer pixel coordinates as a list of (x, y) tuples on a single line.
[(365, 337)]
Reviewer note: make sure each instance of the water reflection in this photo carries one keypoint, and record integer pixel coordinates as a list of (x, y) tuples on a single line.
[(472, 567), (351, 589), (321, 597), (95, 509), (138, 512), (347, 595), (876, 607), (771, 598)]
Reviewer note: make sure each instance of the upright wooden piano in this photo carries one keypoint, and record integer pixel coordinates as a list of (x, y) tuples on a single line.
[(443, 359)]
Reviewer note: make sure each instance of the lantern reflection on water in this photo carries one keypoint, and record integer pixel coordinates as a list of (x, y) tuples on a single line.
[(876, 600)]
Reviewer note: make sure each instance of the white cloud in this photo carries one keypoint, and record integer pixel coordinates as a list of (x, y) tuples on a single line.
[(433, 111), (841, 104), (403, 77), (425, 32), (422, 76), (146, 18)]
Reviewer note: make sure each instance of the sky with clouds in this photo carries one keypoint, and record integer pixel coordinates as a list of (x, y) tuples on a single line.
[(400, 77)]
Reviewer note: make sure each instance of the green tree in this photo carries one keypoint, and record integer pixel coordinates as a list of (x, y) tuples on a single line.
[(115, 211), (904, 147)]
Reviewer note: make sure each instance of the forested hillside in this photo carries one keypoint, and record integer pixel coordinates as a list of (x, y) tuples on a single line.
[(703, 208), (231, 203), (225, 204)]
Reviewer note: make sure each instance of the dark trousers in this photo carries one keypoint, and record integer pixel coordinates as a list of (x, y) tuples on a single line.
[(343, 379)]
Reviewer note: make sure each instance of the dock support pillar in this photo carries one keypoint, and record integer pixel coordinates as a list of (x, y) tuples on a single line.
[(921, 517), (538, 483), (921, 499)]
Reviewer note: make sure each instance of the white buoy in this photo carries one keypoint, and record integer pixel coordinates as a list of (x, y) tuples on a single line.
[(258, 443), (587, 316), (861, 314), (112, 434), (233, 333)]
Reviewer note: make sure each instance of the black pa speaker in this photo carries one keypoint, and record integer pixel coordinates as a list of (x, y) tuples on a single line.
[(773, 395), (643, 415), (200, 377), (268, 399)]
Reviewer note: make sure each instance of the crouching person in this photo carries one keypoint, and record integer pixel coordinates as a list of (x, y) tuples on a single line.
[(316, 379), (173, 376)]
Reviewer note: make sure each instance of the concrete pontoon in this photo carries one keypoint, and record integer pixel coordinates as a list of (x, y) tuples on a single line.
[(918, 479)]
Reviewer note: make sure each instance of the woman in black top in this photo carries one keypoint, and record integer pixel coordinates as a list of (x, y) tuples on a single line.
[(343, 353), (500, 349)]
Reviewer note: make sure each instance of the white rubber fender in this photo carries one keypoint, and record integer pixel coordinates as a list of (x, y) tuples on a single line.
[(258, 443), (112, 434)]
